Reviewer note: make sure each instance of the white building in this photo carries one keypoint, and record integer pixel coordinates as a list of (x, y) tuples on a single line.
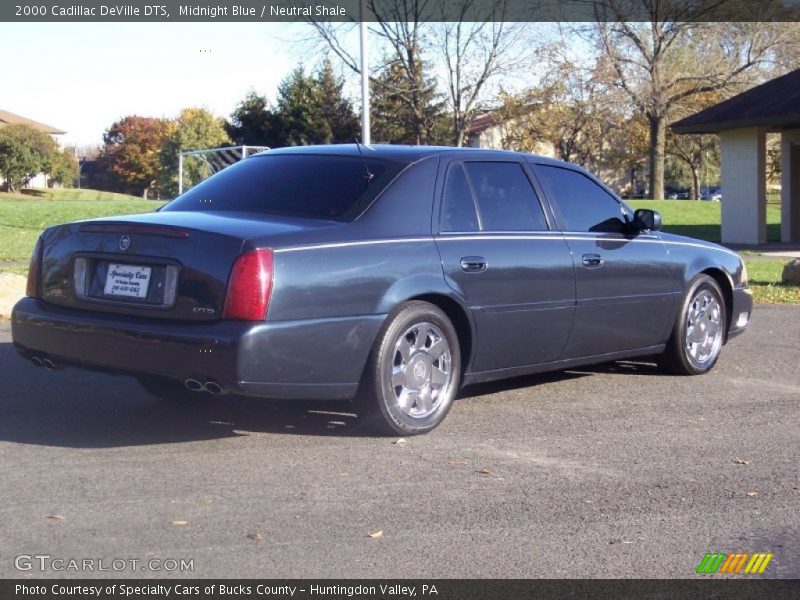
[(742, 123)]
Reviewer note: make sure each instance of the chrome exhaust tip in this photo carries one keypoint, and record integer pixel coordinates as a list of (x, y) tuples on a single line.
[(37, 362), (193, 385), (49, 364), (213, 387)]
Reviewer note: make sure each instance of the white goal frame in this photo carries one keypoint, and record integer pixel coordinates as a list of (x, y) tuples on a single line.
[(217, 158)]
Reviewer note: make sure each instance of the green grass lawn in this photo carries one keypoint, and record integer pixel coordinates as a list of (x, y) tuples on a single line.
[(765, 281), (702, 219), (22, 219), (66, 194)]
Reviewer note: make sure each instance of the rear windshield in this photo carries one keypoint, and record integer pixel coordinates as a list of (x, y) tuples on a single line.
[(336, 188)]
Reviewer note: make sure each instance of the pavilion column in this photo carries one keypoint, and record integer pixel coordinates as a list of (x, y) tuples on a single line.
[(744, 185), (790, 186)]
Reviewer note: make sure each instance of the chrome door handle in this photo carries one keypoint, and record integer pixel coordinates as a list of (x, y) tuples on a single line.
[(473, 264), (592, 260)]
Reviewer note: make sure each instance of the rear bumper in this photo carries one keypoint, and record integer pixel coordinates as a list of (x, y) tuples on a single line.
[(314, 359), (742, 310)]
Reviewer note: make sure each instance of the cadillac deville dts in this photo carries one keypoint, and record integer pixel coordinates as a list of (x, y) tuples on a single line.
[(391, 276)]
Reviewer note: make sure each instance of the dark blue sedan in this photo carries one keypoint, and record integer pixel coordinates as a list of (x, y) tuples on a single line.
[(388, 275)]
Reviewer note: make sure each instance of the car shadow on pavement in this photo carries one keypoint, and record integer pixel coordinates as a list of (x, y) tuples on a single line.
[(81, 409), (624, 367), (504, 385)]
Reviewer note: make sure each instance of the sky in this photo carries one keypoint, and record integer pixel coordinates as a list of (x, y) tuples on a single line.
[(81, 77)]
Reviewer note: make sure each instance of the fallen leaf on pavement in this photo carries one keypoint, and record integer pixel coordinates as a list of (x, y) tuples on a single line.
[(485, 471), (400, 441), (56, 517), (256, 536), (179, 522), (377, 534), (741, 461), (751, 494)]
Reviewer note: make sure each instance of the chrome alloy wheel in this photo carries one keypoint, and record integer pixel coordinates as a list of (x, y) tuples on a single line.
[(421, 370), (703, 328)]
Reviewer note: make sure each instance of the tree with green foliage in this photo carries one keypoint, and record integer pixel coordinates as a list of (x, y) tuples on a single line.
[(469, 44), (335, 108), (312, 109), (398, 120), (252, 123), (24, 152), (64, 168)]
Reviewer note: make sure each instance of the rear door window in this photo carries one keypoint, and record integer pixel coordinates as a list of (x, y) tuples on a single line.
[(458, 205), (505, 198)]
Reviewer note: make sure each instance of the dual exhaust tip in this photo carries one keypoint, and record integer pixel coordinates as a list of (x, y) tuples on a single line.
[(195, 385), (47, 363)]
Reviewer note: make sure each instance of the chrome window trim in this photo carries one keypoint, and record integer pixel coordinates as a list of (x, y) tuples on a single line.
[(462, 236)]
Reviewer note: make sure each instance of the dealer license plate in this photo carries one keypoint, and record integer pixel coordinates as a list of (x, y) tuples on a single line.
[(127, 280)]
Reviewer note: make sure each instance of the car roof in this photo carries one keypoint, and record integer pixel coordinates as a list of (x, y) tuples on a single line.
[(407, 154)]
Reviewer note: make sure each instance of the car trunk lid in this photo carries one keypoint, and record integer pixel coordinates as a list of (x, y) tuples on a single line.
[(170, 265)]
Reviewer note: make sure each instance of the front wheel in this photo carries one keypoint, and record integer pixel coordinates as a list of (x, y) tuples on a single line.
[(413, 371), (699, 331)]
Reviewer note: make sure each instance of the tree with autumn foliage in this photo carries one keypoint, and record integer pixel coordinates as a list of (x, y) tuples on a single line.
[(133, 151), (570, 110), (575, 112), (663, 63), (194, 129)]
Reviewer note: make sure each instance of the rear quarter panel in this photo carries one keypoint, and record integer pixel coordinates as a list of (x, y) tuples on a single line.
[(368, 266), (333, 290)]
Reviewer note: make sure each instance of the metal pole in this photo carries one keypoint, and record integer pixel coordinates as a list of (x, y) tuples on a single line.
[(180, 173), (365, 125), (77, 160)]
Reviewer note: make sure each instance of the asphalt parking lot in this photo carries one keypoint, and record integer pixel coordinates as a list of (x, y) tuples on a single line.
[(613, 471)]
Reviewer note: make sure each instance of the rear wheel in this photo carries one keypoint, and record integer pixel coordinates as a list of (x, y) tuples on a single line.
[(699, 331), (413, 371)]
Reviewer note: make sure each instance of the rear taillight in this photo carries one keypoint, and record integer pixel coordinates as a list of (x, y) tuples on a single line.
[(250, 286), (33, 287)]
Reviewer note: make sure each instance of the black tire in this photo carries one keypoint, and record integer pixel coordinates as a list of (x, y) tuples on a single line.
[(684, 357), (409, 347), (166, 389)]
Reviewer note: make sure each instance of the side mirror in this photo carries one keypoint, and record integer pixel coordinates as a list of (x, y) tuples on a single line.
[(645, 219)]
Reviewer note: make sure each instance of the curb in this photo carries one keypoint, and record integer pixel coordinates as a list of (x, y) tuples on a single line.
[(12, 288)]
